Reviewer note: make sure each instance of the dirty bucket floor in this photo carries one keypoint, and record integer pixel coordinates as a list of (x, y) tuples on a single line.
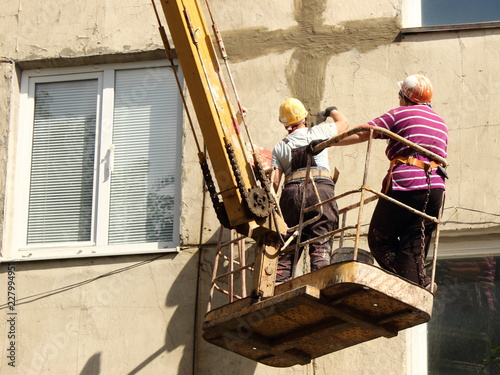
[(333, 308)]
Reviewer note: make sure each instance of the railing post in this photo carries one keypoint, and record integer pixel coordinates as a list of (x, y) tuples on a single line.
[(362, 196)]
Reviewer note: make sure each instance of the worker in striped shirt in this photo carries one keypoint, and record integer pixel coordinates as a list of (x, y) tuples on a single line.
[(399, 239)]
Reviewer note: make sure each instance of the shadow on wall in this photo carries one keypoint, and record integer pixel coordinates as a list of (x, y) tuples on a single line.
[(93, 365), (179, 332), (189, 295), (211, 359)]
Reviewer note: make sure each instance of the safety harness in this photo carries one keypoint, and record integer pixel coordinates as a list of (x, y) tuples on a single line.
[(427, 167), (299, 166), (408, 160), (315, 172)]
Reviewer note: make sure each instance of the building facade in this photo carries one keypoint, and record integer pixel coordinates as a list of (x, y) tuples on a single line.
[(108, 236)]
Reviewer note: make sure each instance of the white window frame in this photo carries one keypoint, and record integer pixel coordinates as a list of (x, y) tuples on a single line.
[(479, 245), (411, 13), (18, 171)]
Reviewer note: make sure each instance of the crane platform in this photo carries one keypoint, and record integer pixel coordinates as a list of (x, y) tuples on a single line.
[(330, 309)]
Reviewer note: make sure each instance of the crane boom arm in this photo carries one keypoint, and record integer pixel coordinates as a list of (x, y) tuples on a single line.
[(243, 186), (216, 117)]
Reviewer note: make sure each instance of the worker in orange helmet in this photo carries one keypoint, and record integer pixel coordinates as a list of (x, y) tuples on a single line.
[(399, 239), (289, 159)]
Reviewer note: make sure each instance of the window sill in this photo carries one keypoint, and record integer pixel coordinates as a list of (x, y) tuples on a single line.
[(468, 26), (76, 253)]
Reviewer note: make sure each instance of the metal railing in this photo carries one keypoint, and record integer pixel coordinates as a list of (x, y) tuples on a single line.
[(238, 266)]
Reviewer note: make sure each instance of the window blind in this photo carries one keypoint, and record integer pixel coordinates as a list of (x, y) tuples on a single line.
[(62, 162), (145, 153)]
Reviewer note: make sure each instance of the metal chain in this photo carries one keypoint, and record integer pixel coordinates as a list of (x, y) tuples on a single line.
[(263, 179), (422, 230), (220, 209), (255, 199)]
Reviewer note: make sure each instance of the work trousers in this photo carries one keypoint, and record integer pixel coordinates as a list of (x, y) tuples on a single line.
[(395, 235), (290, 203)]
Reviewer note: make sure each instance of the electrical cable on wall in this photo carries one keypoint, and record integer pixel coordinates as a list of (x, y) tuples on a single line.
[(49, 293), (477, 223), (35, 297)]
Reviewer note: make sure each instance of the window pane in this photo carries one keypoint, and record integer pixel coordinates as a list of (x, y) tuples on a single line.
[(454, 12), (62, 164), (465, 326), (144, 172)]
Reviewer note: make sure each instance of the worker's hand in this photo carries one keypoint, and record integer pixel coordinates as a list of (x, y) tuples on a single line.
[(329, 110), (312, 145), (321, 116)]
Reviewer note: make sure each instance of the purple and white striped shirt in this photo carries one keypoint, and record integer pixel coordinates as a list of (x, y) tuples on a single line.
[(421, 125)]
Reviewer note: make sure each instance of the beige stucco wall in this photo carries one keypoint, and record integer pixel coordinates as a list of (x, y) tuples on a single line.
[(131, 315), (360, 79), (103, 316)]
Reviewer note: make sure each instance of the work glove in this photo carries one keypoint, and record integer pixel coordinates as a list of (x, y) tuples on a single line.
[(329, 110), (310, 147), (321, 116)]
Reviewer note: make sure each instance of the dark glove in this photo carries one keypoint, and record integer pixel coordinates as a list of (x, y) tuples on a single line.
[(329, 110), (323, 115)]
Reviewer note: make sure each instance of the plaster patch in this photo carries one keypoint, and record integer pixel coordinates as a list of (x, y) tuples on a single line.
[(313, 45)]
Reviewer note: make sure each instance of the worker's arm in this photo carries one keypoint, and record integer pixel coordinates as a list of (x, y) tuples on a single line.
[(340, 121), (276, 179), (358, 137)]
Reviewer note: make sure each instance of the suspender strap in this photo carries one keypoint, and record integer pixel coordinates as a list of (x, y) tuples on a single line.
[(408, 160)]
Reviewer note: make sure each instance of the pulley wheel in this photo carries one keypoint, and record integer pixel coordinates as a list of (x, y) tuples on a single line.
[(258, 202)]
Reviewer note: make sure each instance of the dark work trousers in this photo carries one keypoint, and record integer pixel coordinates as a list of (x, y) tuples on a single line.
[(290, 203), (395, 234)]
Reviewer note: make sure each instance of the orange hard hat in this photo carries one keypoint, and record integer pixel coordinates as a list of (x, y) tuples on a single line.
[(417, 88), (292, 111)]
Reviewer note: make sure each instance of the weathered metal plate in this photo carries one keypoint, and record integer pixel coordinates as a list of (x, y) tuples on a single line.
[(319, 313)]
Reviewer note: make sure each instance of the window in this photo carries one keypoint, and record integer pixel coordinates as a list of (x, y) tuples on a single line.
[(465, 327), (427, 13), (97, 163), (463, 335)]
